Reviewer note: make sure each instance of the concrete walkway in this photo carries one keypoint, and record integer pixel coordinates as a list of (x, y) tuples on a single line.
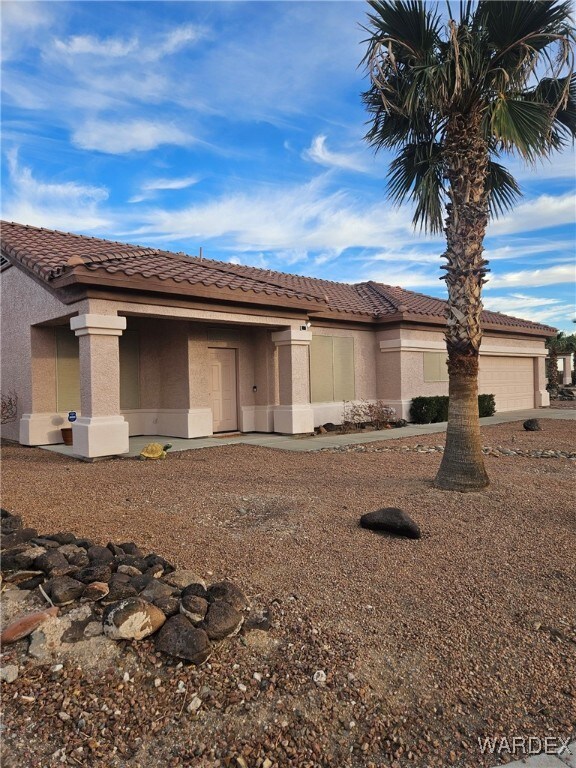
[(329, 440), (566, 757)]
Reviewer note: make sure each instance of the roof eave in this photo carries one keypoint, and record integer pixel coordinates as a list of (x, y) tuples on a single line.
[(81, 276)]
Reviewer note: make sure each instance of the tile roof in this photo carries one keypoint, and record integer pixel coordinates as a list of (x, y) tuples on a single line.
[(51, 255)]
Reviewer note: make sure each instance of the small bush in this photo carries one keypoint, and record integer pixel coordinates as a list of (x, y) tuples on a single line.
[(423, 410), (486, 405), (358, 414), (431, 410)]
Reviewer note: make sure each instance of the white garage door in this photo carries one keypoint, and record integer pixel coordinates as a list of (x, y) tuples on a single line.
[(509, 379)]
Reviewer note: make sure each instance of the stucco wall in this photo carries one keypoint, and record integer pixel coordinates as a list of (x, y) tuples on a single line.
[(24, 303)]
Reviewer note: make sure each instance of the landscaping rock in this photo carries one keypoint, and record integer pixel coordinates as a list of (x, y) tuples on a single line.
[(21, 556), (532, 425), (130, 548), (99, 555), (156, 590), (116, 550), (64, 537), (94, 573), (64, 589), (196, 589), (119, 591), (75, 555), (20, 536), (9, 673), (53, 563), (10, 523), (230, 593), (140, 582), (178, 637), (222, 620), (194, 608), (168, 605), (132, 619), (129, 570), (183, 579), (391, 520), (95, 591)]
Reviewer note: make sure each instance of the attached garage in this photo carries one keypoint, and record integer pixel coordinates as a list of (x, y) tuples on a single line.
[(509, 379)]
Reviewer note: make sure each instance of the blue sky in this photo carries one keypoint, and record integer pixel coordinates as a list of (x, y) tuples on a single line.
[(239, 127)]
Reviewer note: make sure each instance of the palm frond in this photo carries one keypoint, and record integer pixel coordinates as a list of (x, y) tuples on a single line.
[(520, 125), (502, 189), (416, 174)]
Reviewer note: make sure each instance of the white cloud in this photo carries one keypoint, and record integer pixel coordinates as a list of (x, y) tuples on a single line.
[(134, 135), (111, 47), (524, 249), (533, 278), (23, 24), (319, 153), (274, 218), (177, 39), (182, 183), (57, 205), (543, 212), (536, 308)]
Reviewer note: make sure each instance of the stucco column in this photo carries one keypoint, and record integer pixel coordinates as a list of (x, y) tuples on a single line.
[(294, 414), (541, 395), (567, 370), (101, 430)]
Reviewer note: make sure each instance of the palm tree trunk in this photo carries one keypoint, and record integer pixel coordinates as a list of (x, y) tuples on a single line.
[(553, 384), (462, 467)]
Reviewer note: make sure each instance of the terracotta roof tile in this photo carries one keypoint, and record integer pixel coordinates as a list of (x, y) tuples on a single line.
[(50, 254)]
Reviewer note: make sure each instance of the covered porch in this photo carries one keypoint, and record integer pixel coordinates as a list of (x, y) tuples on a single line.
[(179, 375)]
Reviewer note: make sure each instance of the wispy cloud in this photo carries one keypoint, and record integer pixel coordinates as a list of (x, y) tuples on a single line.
[(319, 153), (280, 219), (110, 47), (149, 188), (543, 212), (23, 25), (533, 278), (540, 309), (58, 205), (134, 135)]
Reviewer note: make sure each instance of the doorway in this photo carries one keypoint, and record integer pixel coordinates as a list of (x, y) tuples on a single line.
[(223, 389)]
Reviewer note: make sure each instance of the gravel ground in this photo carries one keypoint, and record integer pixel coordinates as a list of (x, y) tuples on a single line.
[(426, 645)]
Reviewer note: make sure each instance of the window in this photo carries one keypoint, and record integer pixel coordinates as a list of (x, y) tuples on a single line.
[(435, 366), (67, 370), (331, 369)]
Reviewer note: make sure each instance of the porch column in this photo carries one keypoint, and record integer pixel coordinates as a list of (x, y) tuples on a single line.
[(294, 415), (541, 394), (567, 370), (101, 430)]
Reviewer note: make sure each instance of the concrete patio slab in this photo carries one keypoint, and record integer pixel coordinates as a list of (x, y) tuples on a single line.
[(329, 440)]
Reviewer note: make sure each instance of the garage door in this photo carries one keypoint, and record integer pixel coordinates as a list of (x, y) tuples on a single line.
[(509, 379)]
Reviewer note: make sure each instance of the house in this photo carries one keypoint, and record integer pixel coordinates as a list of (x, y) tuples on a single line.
[(143, 341)]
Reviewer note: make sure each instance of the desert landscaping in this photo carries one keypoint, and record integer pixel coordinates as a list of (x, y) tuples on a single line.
[(379, 650)]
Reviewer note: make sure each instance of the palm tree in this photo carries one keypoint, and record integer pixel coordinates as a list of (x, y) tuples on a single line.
[(558, 346), (452, 96)]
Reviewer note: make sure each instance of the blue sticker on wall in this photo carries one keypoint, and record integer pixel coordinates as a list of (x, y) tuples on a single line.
[(72, 416)]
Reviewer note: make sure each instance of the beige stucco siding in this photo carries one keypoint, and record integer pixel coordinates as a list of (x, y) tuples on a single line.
[(28, 354)]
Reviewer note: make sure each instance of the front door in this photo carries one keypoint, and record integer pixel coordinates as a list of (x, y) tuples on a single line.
[(223, 389)]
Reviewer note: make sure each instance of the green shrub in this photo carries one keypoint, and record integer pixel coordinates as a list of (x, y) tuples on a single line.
[(486, 405), (431, 410), (422, 410)]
